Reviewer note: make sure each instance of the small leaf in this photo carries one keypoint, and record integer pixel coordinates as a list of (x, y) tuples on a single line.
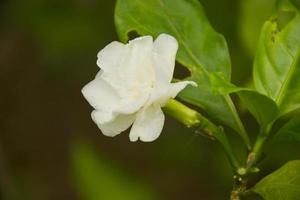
[(201, 49), (260, 106), (290, 131), (277, 63), (283, 184)]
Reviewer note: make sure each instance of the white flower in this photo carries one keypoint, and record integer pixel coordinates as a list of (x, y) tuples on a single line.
[(133, 84)]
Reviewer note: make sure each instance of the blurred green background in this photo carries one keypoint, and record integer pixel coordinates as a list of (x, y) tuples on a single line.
[(49, 146)]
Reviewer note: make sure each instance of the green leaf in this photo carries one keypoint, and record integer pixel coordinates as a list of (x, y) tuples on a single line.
[(201, 49), (290, 131), (96, 178), (260, 106), (277, 62), (283, 184)]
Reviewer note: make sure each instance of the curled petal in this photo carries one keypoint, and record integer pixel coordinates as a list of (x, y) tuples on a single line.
[(175, 88), (162, 94), (114, 127), (103, 116), (100, 94), (148, 124)]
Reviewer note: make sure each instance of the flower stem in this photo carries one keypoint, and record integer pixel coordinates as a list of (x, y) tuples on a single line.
[(193, 119), (182, 113)]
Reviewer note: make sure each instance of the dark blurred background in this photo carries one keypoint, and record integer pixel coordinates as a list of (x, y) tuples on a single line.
[(50, 148)]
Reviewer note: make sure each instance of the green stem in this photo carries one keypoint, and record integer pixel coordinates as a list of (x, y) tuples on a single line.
[(241, 178), (242, 131), (193, 119), (256, 153), (258, 146), (182, 113)]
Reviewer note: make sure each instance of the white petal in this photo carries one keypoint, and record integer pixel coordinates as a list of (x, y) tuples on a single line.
[(103, 116), (115, 127), (159, 95), (164, 55), (111, 56), (133, 105), (138, 69), (143, 40), (148, 124), (164, 92), (175, 88), (136, 73), (100, 94)]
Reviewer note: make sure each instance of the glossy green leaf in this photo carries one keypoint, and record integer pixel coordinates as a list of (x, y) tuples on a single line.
[(283, 184), (260, 106), (201, 49), (290, 131), (277, 62), (96, 178)]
